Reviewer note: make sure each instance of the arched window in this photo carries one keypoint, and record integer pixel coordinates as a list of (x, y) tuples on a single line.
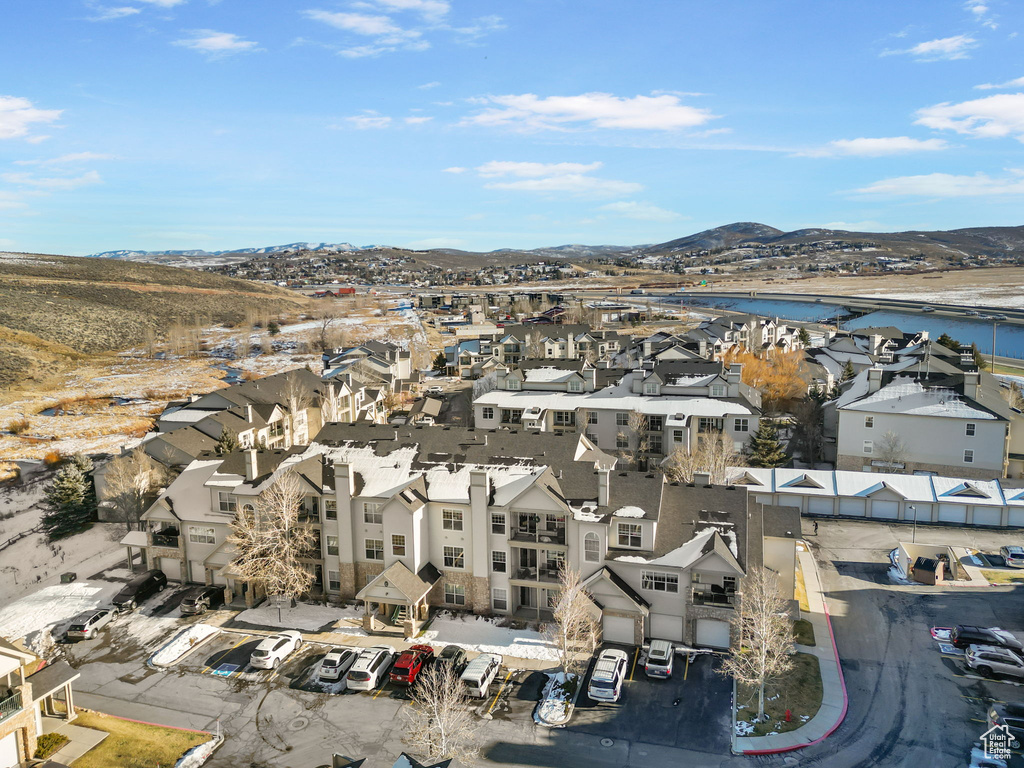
[(592, 548)]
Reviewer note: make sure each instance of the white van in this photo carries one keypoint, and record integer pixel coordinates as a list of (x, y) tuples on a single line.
[(480, 672)]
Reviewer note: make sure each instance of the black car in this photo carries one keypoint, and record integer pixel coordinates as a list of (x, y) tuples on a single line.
[(201, 599), (138, 589), (1010, 715), (454, 655), (964, 635)]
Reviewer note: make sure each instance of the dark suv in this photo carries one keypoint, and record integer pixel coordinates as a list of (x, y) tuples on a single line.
[(201, 599), (1012, 716), (138, 589), (964, 635)]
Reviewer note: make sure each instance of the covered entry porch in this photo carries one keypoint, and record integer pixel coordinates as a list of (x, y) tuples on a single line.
[(397, 597)]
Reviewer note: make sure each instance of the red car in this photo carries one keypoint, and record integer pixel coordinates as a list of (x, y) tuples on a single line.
[(410, 664)]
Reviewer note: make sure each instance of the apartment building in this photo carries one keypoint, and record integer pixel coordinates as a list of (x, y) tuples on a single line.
[(408, 520)]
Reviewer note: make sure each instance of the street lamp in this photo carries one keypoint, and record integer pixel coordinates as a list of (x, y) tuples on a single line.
[(914, 537), (994, 324)]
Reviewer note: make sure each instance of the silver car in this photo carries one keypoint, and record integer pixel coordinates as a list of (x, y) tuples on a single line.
[(86, 625), (988, 659), (1013, 555)]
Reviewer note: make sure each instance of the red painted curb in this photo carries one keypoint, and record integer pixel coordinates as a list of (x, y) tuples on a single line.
[(842, 715)]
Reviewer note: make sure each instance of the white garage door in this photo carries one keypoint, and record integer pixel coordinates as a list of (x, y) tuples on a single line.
[(816, 506), (987, 515), (197, 571), (1017, 517), (618, 629), (9, 751), (952, 513), (666, 627), (171, 566), (790, 501), (888, 509), (711, 633), (851, 507)]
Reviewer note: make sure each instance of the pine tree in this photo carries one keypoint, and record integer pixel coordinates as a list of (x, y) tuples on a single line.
[(848, 372), (440, 362), (89, 503), (227, 442), (66, 499), (948, 342), (765, 449), (804, 336)]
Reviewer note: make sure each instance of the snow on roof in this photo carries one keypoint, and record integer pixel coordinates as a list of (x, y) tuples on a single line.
[(977, 492), (629, 512), (186, 415), (585, 513), (547, 374), (906, 395), (695, 380), (726, 532), (190, 491)]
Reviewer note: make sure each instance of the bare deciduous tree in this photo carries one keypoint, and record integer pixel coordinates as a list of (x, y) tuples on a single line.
[(441, 726), (327, 317), (298, 398), (534, 344), (332, 403), (1014, 396), (131, 484), (270, 542), (574, 630), (892, 452), (636, 438), (714, 453), (765, 634)]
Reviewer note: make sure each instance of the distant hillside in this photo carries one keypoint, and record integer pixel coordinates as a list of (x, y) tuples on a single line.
[(727, 236), (59, 306)]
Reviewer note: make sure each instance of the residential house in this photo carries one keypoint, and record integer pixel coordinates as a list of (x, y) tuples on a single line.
[(752, 332)]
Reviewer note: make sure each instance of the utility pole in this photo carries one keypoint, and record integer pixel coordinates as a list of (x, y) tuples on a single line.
[(993, 366)]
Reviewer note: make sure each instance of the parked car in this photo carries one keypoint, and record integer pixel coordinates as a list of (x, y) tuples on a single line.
[(927, 309), (971, 312), (998, 317), (609, 672), (410, 663), (86, 625), (964, 635), (480, 673), (1011, 715), (989, 659), (369, 668), (454, 655), (435, 390), (427, 421), (659, 659), (1013, 555), (271, 652), (336, 663), (201, 599), (139, 589)]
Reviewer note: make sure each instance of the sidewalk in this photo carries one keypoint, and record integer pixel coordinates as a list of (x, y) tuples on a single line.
[(833, 687)]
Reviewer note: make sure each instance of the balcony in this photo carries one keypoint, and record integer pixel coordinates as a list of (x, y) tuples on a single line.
[(168, 537), (542, 536), (714, 595), (547, 575), (10, 706)]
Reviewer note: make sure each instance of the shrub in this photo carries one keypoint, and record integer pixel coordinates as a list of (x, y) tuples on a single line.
[(49, 743), (18, 426), (52, 458)]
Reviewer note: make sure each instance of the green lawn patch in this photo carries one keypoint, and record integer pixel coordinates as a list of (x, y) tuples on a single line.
[(134, 745), (49, 743), (799, 691), (803, 632), (1004, 577)]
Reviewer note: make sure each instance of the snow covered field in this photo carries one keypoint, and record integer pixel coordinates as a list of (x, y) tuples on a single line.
[(182, 643), (475, 633), (308, 617), (33, 617)]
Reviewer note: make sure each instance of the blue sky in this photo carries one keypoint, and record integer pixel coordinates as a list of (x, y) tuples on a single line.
[(482, 124)]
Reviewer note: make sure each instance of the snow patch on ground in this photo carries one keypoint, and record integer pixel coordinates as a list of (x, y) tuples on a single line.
[(476, 633), (36, 616), (743, 728), (555, 707), (308, 617), (182, 643), (198, 755)]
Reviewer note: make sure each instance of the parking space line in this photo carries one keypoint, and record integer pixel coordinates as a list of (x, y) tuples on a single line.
[(687, 670), (224, 653), (380, 691), (988, 679), (636, 655), (502, 688)]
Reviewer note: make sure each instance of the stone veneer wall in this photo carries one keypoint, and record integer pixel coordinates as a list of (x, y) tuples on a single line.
[(854, 463), (23, 723), (694, 612), (478, 591)]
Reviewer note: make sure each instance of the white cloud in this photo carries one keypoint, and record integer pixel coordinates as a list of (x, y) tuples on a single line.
[(18, 114), (216, 44), (107, 13), (429, 9), (989, 117), (74, 157), (428, 86), (549, 178), (418, 120), (455, 169), (369, 120), (948, 185), (943, 49), (641, 211), (664, 112), (892, 145), (979, 11), (52, 183), (1017, 82), (164, 3)]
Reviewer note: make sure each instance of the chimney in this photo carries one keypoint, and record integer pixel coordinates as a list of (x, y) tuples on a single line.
[(874, 379), (603, 489), (972, 385), (876, 343), (248, 413), (734, 374), (479, 491), (250, 464), (702, 479)]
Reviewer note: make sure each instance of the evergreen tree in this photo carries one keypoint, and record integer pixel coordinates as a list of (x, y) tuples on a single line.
[(765, 449), (848, 372), (804, 336), (948, 342), (90, 503), (66, 499), (273, 328), (979, 359), (226, 443), (440, 362)]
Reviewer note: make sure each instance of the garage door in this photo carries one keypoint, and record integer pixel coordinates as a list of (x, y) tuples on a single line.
[(952, 513), (9, 750), (618, 629), (816, 506), (790, 501), (666, 627), (171, 566), (887, 509), (851, 507), (713, 634), (197, 571), (1017, 517), (987, 515)]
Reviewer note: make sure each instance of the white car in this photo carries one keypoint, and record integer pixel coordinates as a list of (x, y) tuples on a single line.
[(370, 668), (606, 679), (271, 652), (435, 390), (1013, 555), (336, 663)]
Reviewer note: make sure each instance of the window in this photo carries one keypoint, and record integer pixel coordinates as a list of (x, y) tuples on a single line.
[(869, 422), (454, 557), (499, 562), (372, 513), (591, 417), (869, 446), (677, 435), (695, 577), (971, 429), (651, 388), (592, 548), (332, 545), (201, 535), (497, 523), (451, 519), (717, 390), (334, 581), (499, 599), (487, 413), (654, 443), (741, 425), (659, 582), (621, 441), (707, 424), (331, 509), (398, 545), (512, 384), (729, 583), (454, 594), (630, 535), (374, 549), (968, 456), (621, 419), (565, 418), (575, 385), (511, 415), (228, 503)]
